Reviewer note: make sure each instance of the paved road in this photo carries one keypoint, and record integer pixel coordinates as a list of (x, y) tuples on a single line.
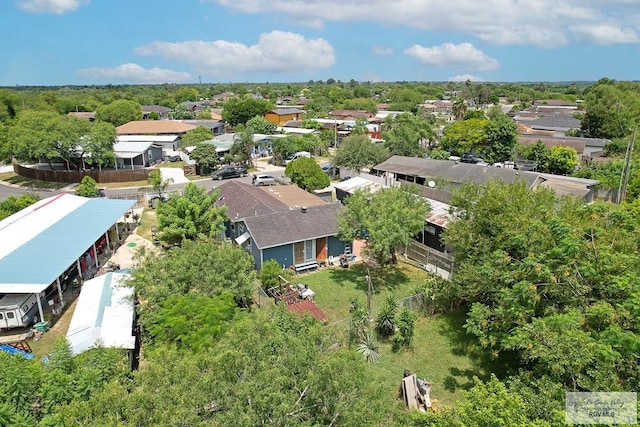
[(6, 190)]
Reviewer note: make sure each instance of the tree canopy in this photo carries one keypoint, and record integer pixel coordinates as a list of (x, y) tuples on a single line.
[(241, 109), (119, 112), (13, 204), (549, 282), (307, 174), (206, 156), (387, 219), (191, 215), (358, 152), (88, 187), (199, 134)]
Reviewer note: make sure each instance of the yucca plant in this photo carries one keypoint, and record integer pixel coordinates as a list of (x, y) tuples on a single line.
[(386, 318), (368, 347)]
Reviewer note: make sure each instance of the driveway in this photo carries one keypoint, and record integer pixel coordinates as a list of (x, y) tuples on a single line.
[(176, 175)]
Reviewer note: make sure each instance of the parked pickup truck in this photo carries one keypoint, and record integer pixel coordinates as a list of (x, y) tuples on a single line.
[(229, 172)]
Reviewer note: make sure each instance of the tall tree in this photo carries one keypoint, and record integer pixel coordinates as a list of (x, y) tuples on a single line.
[(501, 139), (358, 152), (240, 110), (259, 124), (191, 215), (205, 156), (119, 112), (307, 174), (44, 136), (387, 219), (464, 136), (199, 134), (99, 143), (562, 160)]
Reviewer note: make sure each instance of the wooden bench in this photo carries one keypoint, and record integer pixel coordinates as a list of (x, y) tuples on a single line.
[(306, 266)]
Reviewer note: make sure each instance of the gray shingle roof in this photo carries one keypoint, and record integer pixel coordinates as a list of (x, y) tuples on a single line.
[(244, 200), (454, 172), (279, 228)]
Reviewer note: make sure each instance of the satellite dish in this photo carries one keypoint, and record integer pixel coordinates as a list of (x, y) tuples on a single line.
[(431, 184)]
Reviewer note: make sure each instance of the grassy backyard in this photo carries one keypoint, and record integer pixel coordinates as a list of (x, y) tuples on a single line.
[(441, 351)]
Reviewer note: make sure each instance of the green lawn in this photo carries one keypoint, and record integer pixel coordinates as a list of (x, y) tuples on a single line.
[(441, 353), (335, 286), (147, 221), (12, 178)]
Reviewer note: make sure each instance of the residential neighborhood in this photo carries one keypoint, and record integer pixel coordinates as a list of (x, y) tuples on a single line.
[(258, 254)]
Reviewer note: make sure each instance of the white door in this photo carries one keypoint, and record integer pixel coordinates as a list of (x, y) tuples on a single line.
[(12, 319), (309, 250), (3, 321)]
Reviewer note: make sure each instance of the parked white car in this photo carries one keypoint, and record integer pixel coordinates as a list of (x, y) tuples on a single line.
[(260, 180)]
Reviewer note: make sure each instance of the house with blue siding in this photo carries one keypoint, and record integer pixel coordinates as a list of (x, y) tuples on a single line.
[(282, 222)]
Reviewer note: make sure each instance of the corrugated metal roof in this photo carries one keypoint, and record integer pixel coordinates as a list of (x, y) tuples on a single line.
[(40, 242), (103, 314)]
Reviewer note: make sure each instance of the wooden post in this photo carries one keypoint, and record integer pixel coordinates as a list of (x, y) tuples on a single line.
[(60, 292), (40, 307)]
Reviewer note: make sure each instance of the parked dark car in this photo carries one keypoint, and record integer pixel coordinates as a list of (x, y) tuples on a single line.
[(229, 172), (469, 158)]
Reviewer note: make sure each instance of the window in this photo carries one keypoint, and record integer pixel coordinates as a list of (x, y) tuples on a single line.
[(10, 315), (1, 316)]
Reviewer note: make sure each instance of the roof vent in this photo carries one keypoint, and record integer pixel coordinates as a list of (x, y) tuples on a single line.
[(303, 209)]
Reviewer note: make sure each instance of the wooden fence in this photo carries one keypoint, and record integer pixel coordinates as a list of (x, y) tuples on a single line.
[(427, 256), (100, 176)]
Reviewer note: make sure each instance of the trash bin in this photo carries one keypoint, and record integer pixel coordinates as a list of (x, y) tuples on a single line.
[(41, 326)]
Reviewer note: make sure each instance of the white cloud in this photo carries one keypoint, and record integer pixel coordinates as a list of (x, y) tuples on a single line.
[(57, 7), (381, 50), (605, 34), (542, 23), (276, 51), (463, 56), (465, 77), (135, 73)]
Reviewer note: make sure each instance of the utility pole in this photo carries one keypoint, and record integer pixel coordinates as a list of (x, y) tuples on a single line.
[(624, 178), (369, 293)]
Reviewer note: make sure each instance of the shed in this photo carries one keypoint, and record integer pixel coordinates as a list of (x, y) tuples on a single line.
[(104, 314)]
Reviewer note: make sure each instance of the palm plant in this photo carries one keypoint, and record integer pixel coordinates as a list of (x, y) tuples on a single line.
[(368, 347)]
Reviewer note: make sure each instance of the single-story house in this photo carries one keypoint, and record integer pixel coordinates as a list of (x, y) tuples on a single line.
[(154, 127), (168, 142), (283, 223), (423, 171), (216, 124), (427, 247), (281, 115), (136, 154), (162, 111), (351, 115)]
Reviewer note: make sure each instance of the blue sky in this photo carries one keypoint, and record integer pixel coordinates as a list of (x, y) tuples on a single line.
[(76, 42)]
